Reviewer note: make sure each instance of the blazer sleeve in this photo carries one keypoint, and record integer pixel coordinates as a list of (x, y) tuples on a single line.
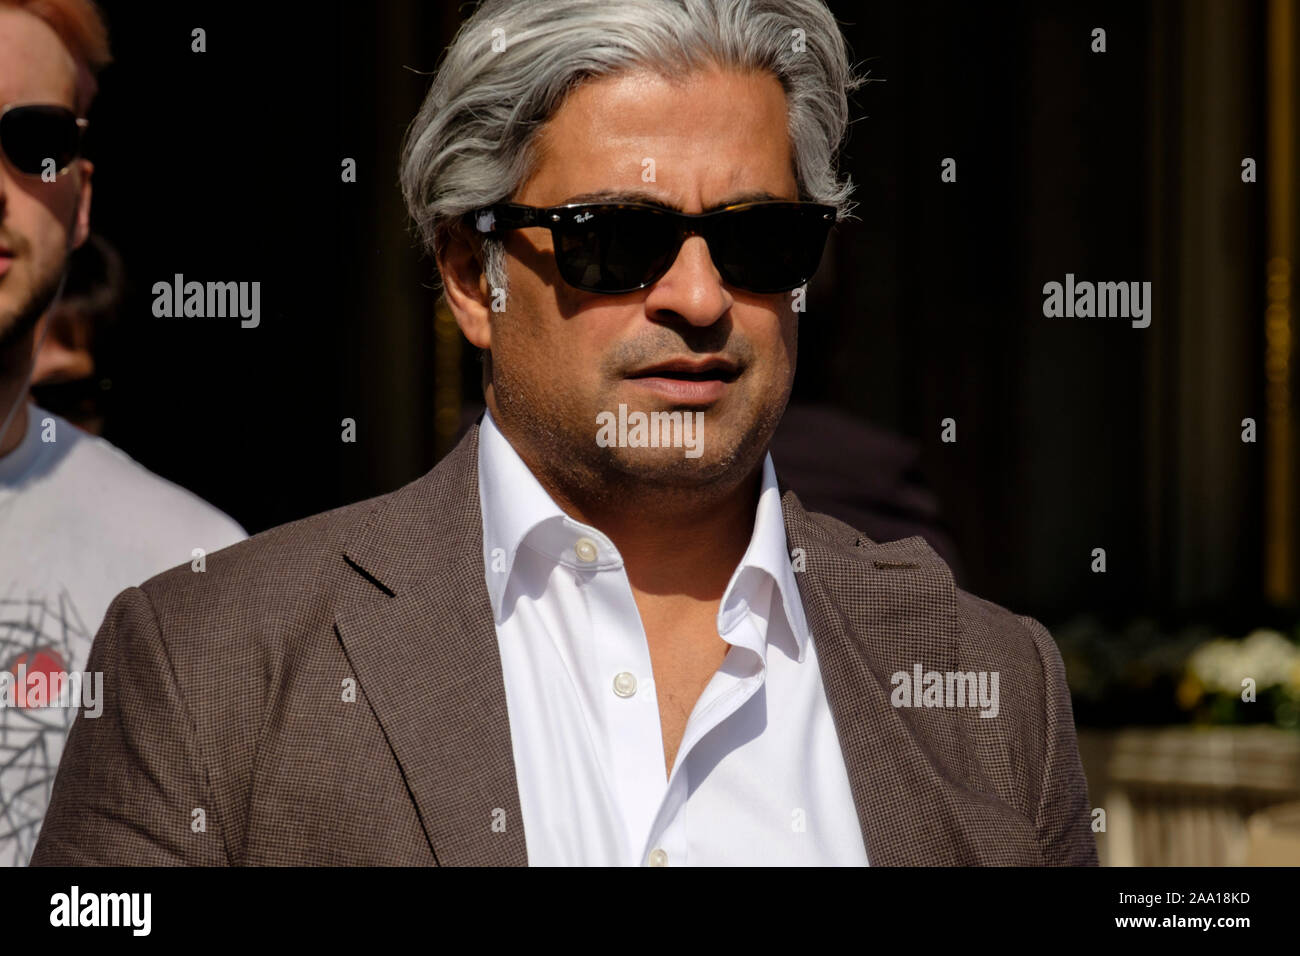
[(132, 788), (1063, 817)]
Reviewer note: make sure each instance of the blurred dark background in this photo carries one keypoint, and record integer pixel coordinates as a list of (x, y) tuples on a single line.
[(1072, 433)]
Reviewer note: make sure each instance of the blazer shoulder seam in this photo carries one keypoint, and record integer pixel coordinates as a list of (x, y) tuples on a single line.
[(1032, 626), (189, 718)]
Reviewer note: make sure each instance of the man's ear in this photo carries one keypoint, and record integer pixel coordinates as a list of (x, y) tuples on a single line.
[(465, 287), (81, 225)]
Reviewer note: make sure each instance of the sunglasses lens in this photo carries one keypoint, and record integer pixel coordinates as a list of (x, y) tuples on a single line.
[(770, 247), (614, 250), (764, 247), (31, 135)]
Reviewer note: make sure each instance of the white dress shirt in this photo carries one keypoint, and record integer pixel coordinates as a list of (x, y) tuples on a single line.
[(759, 778)]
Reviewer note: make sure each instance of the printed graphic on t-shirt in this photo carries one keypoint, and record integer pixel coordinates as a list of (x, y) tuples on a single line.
[(38, 635)]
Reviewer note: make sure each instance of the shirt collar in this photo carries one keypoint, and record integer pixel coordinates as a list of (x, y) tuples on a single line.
[(766, 553), (516, 508)]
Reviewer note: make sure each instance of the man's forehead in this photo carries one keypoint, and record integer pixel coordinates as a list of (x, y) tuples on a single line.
[(640, 137), (652, 198), (35, 66)]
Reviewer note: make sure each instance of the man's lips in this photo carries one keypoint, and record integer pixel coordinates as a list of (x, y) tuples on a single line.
[(6, 258), (682, 391), (687, 381), (695, 370)]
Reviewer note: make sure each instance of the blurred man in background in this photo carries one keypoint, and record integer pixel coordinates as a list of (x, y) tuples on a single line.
[(79, 520)]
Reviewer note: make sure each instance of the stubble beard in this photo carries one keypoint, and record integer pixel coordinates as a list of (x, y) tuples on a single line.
[(16, 326), (561, 440)]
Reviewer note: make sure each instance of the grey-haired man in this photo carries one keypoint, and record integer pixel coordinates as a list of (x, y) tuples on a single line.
[(600, 631)]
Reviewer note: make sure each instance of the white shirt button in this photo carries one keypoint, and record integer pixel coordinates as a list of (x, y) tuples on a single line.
[(624, 684), (658, 858), (585, 549)]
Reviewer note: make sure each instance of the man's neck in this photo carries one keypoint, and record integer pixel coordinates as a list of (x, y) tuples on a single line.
[(673, 540), (16, 359), (13, 392), (13, 437), (679, 547)]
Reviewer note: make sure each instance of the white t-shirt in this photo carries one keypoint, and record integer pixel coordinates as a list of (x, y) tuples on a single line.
[(80, 521)]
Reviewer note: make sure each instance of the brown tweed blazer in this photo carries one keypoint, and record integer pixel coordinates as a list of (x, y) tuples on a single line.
[(228, 735)]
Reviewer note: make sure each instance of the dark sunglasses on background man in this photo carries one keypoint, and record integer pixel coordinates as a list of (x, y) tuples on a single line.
[(766, 247), (30, 134)]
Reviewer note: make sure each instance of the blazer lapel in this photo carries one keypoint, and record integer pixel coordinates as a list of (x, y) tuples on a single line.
[(424, 649), (876, 609)]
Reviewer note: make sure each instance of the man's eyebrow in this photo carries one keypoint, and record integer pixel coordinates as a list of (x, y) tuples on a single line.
[(639, 196)]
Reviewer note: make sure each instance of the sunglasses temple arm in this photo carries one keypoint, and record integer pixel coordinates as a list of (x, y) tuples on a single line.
[(506, 216)]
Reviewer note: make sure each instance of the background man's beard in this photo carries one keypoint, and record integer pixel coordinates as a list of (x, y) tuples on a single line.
[(15, 334)]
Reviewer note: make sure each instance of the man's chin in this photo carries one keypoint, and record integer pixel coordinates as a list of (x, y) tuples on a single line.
[(701, 461), (19, 315), (15, 328)]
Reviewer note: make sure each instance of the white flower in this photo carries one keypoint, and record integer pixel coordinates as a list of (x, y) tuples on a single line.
[(1265, 656)]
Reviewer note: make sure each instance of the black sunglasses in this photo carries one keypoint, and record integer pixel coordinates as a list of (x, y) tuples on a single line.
[(34, 133), (765, 247)]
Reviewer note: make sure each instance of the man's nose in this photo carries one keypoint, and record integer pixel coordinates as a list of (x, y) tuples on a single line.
[(692, 287)]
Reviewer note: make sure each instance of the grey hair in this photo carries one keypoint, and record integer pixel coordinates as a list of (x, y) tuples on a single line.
[(473, 142)]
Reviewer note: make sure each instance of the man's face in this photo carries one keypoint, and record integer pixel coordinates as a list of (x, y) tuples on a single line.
[(39, 221), (561, 356)]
